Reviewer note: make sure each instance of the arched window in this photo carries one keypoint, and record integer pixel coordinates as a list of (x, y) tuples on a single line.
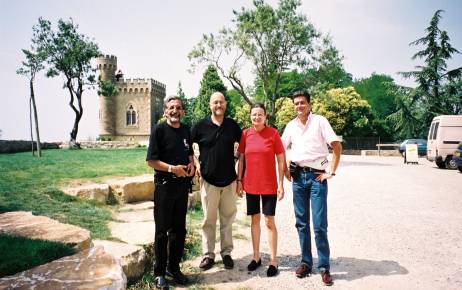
[(131, 116)]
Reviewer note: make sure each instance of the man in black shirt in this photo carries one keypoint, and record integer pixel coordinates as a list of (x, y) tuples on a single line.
[(216, 136), (170, 154)]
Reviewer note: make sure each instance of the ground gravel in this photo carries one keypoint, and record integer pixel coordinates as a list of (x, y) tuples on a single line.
[(391, 226)]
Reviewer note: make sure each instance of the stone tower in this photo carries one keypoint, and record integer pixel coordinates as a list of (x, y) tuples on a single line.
[(107, 66), (130, 114)]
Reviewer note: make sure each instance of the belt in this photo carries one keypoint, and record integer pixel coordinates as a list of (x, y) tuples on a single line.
[(310, 169)]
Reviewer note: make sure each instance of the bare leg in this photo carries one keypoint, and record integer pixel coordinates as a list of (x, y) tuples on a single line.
[(272, 238), (256, 232)]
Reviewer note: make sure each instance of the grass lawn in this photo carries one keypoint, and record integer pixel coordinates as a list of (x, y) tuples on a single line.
[(32, 184), (32, 253)]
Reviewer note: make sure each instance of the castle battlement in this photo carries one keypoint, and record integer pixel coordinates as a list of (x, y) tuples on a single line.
[(139, 82)]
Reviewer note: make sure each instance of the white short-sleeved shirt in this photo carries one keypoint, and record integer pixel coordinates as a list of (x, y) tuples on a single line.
[(308, 143)]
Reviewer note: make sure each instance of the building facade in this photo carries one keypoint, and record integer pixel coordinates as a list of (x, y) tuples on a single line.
[(130, 114)]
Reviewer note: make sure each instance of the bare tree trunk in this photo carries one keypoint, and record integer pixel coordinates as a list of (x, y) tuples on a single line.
[(37, 133), (78, 114), (30, 126)]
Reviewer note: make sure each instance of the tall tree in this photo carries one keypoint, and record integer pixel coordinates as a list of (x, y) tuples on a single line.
[(272, 40), (69, 54), (32, 64), (210, 83), (188, 105), (433, 76)]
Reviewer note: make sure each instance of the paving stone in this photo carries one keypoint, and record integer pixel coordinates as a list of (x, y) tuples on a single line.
[(89, 269), (24, 224), (146, 215), (137, 206), (136, 233)]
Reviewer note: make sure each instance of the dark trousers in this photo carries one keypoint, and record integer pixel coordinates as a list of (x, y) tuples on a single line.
[(170, 206)]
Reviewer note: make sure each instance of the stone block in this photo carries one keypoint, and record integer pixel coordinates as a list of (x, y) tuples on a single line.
[(132, 189), (24, 224), (145, 215), (142, 205), (133, 258), (194, 199), (96, 191), (89, 269)]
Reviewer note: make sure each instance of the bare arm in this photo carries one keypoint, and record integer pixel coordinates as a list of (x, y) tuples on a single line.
[(281, 158), (336, 152), (178, 170), (240, 173)]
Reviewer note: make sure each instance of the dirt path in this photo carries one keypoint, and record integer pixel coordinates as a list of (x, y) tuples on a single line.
[(391, 226)]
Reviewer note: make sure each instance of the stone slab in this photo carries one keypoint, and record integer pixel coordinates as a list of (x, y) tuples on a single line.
[(145, 215), (133, 258), (132, 189), (89, 269), (137, 233), (96, 191), (141, 205), (25, 224), (194, 199)]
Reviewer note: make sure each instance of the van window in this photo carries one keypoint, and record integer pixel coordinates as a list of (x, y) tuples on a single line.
[(430, 134), (435, 130)]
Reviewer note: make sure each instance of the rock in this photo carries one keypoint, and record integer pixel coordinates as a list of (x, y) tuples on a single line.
[(89, 269), (136, 233), (137, 206), (132, 189), (194, 199), (196, 183), (133, 258), (24, 224), (96, 191), (146, 215)]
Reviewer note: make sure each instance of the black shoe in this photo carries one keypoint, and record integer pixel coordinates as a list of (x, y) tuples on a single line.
[(207, 263), (228, 262), (161, 283), (272, 271), (178, 277), (254, 265)]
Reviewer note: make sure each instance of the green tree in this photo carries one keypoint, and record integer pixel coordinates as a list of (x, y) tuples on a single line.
[(242, 116), (69, 54), (346, 111), (33, 64), (188, 105), (210, 83), (406, 118), (271, 40), (285, 113), (433, 76)]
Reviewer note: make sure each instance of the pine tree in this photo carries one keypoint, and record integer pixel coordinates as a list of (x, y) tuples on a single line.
[(433, 77), (211, 82)]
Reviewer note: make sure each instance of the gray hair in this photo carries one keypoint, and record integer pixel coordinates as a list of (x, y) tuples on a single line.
[(171, 98)]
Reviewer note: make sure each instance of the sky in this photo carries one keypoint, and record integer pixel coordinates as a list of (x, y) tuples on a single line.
[(152, 39)]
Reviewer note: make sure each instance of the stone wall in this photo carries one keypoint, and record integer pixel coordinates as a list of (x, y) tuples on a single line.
[(106, 144)]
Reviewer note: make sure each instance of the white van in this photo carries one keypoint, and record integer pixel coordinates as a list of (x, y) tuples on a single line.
[(443, 137)]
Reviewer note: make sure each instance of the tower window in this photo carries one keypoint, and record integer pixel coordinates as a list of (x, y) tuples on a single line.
[(131, 116)]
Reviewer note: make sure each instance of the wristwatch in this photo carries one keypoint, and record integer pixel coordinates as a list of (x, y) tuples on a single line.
[(170, 168)]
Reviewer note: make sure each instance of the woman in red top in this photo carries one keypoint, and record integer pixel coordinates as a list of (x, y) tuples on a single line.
[(259, 144)]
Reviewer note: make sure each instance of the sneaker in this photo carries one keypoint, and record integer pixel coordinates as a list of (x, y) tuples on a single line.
[(326, 278), (302, 271), (254, 265), (272, 271), (228, 262), (206, 263), (161, 283), (178, 277)]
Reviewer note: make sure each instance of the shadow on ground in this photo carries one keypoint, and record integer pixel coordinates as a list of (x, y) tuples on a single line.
[(342, 268)]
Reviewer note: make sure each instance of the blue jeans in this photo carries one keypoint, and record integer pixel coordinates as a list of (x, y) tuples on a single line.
[(307, 190)]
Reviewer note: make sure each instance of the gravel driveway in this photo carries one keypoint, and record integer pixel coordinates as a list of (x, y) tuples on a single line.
[(391, 226)]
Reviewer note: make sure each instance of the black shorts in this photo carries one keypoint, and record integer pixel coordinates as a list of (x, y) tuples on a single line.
[(268, 203)]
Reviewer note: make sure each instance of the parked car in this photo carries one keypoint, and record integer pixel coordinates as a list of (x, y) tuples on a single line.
[(421, 146), (444, 136), (457, 157)]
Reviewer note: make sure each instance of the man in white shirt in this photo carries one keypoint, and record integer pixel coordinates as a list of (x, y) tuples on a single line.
[(307, 137)]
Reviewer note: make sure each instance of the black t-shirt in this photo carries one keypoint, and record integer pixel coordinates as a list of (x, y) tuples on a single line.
[(216, 146), (170, 145)]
